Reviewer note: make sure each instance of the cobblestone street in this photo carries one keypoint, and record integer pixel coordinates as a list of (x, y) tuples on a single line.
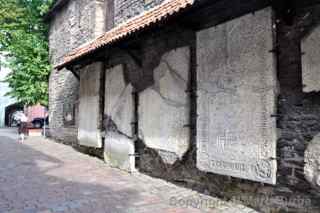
[(42, 176)]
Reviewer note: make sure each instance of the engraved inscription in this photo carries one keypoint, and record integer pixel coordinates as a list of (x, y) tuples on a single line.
[(263, 169), (241, 167)]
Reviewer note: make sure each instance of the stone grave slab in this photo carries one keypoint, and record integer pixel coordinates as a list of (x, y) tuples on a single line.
[(119, 106), (119, 151), (237, 90), (119, 111), (89, 133), (310, 61), (164, 107)]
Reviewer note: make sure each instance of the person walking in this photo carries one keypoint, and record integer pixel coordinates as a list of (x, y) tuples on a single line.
[(23, 127)]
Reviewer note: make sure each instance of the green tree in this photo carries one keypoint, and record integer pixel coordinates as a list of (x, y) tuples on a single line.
[(23, 38)]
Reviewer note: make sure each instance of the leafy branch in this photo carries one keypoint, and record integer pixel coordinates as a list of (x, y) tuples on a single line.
[(23, 39)]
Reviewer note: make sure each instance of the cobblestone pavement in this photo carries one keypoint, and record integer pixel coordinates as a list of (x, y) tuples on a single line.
[(42, 176)]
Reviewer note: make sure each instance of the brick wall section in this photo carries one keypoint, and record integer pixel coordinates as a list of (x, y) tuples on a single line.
[(77, 23), (125, 9)]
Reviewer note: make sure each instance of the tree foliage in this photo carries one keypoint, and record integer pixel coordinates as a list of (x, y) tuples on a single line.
[(23, 38)]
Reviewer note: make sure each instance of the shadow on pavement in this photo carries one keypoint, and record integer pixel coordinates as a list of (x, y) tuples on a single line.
[(31, 181)]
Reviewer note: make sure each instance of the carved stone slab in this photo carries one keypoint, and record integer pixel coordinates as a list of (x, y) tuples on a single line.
[(119, 110), (236, 135), (119, 100), (89, 133), (310, 61), (312, 162), (164, 107), (119, 151)]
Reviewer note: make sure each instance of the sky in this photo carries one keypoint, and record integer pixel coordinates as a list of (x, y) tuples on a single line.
[(4, 100)]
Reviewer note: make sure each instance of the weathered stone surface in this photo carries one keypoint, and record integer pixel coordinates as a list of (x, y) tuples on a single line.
[(78, 22), (125, 9), (164, 107), (312, 162), (89, 133), (119, 151), (168, 157), (119, 111), (119, 100), (311, 62), (236, 134)]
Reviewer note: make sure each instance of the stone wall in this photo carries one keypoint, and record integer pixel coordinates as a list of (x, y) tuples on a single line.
[(297, 115), (125, 9), (78, 22)]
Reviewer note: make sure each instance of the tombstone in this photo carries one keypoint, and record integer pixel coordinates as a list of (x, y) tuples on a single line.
[(164, 107), (119, 151), (236, 134), (312, 162), (119, 115), (119, 104), (310, 61), (89, 132)]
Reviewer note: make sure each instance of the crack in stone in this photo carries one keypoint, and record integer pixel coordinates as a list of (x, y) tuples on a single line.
[(111, 126), (174, 72), (168, 101), (177, 77), (120, 99)]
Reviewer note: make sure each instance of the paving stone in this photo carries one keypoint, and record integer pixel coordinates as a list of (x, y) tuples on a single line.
[(74, 182)]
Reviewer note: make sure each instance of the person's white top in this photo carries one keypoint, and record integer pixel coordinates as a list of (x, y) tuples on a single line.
[(23, 118)]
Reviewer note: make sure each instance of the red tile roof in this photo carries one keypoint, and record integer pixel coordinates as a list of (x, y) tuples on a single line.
[(153, 16)]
